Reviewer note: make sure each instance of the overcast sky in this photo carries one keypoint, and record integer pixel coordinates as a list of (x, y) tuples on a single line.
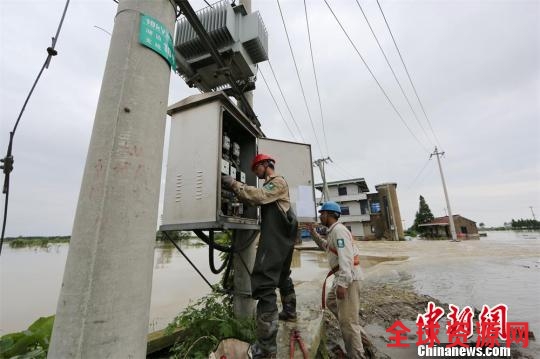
[(475, 64)]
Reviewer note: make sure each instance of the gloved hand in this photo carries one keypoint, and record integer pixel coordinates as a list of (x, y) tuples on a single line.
[(227, 181)]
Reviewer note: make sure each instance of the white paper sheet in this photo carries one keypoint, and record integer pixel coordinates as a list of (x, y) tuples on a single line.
[(305, 205)]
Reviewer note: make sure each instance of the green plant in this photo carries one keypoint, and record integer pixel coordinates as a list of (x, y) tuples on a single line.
[(206, 323), (32, 343), (21, 242)]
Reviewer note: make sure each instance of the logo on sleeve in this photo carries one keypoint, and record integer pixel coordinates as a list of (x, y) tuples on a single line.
[(340, 243), (269, 186)]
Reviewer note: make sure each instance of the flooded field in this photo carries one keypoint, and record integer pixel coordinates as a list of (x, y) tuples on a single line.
[(501, 268), (30, 280)]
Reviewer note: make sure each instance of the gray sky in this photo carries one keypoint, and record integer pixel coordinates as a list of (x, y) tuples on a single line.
[(475, 64)]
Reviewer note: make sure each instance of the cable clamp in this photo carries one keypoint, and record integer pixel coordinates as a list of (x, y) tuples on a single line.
[(51, 51), (7, 164)]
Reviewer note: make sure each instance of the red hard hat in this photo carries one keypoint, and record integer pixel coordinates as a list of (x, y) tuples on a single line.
[(259, 158)]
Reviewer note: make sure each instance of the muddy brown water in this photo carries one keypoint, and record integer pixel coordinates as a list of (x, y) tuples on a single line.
[(503, 267)]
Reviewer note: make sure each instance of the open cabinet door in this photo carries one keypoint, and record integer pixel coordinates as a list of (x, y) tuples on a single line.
[(293, 161)]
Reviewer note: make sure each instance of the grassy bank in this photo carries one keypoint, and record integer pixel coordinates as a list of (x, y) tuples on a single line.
[(20, 242)]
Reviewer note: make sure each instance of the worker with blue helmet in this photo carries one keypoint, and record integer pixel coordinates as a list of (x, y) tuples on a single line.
[(331, 207), (343, 255)]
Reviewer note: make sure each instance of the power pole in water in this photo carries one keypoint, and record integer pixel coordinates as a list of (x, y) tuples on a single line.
[(104, 304), (450, 217), (320, 163)]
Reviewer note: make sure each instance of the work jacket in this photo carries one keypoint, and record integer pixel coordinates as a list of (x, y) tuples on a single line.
[(343, 255), (275, 189)]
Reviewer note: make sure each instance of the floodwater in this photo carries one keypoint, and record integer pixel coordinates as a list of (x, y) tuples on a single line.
[(503, 267), (30, 280)]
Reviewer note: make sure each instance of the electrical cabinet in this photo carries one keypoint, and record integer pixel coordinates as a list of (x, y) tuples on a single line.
[(210, 137)]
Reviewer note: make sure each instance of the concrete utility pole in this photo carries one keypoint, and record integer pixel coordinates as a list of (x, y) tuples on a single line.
[(320, 163), (243, 303), (534, 217), (450, 217), (104, 304)]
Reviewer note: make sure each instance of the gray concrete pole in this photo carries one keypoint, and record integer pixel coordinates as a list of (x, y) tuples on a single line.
[(243, 303), (103, 309), (450, 217), (320, 163), (325, 185)]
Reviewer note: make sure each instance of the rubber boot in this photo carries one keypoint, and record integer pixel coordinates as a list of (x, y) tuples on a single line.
[(266, 345), (289, 308)]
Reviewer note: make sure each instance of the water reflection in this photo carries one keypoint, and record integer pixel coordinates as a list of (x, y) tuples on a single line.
[(503, 267)]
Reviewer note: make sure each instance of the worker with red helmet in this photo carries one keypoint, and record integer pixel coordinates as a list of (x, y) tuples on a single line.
[(343, 299), (272, 267)]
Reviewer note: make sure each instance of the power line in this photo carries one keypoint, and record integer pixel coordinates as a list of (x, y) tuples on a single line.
[(285, 100), (347, 173), (7, 162), (299, 80), (419, 173), (315, 75), (408, 75), (275, 102), (393, 72), (374, 78)]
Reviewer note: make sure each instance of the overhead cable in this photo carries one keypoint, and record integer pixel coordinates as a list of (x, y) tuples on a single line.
[(374, 78), (299, 80), (419, 173), (393, 72), (7, 162), (408, 75), (277, 106), (316, 81), (285, 100)]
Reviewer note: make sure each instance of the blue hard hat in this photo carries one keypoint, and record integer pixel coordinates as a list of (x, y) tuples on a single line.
[(330, 206)]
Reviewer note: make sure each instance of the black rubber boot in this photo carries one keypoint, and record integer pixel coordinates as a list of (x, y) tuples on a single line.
[(267, 328), (289, 308)]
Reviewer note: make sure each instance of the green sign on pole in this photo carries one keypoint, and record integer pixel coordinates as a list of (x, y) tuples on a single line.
[(155, 36)]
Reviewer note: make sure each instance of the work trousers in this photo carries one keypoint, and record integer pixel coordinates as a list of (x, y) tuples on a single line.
[(347, 312)]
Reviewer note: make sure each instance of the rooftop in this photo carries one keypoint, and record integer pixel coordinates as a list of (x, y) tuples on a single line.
[(442, 221), (358, 181)]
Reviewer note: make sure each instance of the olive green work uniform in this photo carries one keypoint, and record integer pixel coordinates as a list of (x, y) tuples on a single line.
[(274, 254)]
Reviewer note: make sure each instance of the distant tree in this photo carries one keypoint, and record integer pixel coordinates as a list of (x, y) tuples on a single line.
[(525, 224), (481, 225), (423, 215)]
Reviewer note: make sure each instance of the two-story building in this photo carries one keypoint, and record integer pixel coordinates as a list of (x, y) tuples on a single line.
[(367, 215)]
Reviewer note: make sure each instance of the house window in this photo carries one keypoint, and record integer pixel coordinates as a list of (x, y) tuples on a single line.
[(345, 210), (372, 229), (375, 207), (342, 191), (364, 207), (464, 230), (349, 228)]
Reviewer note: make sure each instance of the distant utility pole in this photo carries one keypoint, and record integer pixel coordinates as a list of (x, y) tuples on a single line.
[(320, 163), (104, 304), (534, 217), (450, 217)]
